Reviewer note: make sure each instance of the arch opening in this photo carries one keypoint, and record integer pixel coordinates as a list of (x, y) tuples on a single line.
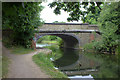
[(70, 40), (49, 40)]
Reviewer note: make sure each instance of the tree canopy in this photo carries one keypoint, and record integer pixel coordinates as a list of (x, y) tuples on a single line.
[(106, 15), (109, 25), (75, 9), (22, 18), (58, 22)]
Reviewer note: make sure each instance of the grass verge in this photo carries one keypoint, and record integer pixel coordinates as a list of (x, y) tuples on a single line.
[(20, 50), (43, 61), (56, 52), (50, 42), (5, 65)]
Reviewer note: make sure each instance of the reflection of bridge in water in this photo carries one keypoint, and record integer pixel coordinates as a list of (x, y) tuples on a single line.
[(74, 36), (80, 72), (81, 63), (82, 66)]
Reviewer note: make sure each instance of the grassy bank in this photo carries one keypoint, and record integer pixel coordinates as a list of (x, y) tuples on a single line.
[(56, 52), (20, 50), (44, 62), (5, 65)]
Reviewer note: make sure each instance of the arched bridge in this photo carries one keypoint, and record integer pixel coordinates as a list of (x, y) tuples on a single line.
[(70, 40), (74, 35)]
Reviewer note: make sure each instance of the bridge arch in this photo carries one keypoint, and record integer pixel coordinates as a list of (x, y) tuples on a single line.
[(70, 40)]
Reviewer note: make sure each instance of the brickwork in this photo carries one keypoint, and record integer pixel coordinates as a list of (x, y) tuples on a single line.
[(84, 38)]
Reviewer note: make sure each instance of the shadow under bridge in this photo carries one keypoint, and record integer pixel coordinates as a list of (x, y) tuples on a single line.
[(70, 40)]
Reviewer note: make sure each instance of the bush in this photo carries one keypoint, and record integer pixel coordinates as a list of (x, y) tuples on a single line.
[(109, 26), (22, 18)]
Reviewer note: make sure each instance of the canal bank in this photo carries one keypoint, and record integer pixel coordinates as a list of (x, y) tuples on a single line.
[(79, 64), (21, 65), (43, 60)]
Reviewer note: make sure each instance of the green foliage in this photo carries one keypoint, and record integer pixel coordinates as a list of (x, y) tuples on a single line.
[(95, 45), (118, 49), (108, 65), (53, 47), (61, 43), (7, 42), (58, 22), (74, 9), (48, 38), (92, 18), (53, 37), (110, 26), (56, 51), (51, 40), (22, 18)]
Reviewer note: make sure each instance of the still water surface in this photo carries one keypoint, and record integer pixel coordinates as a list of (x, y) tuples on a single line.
[(79, 64), (75, 64)]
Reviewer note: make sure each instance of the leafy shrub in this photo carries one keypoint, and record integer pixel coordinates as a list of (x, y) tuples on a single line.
[(109, 26), (22, 18)]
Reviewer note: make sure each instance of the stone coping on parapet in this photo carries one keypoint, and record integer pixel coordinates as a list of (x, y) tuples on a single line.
[(67, 23), (90, 25)]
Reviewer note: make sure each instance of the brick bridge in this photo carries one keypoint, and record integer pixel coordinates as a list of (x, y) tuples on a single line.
[(74, 35)]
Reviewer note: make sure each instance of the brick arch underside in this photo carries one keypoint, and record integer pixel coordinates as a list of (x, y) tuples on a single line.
[(70, 40)]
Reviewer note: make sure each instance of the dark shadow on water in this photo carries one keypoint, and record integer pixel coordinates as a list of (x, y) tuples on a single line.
[(74, 62), (69, 57)]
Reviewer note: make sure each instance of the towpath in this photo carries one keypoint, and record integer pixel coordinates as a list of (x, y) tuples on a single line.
[(22, 66)]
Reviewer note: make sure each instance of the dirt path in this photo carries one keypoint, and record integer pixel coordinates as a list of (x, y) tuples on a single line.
[(22, 66)]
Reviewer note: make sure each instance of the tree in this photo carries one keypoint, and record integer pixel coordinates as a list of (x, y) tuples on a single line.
[(58, 22), (109, 25), (22, 18), (92, 18), (74, 9)]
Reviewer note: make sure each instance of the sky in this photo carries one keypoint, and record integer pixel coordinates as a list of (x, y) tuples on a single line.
[(49, 17)]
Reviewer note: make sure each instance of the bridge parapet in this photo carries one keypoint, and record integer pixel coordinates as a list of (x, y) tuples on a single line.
[(67, 26), (84, 33)]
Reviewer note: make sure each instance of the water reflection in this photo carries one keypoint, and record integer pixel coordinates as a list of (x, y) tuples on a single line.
[(74, 63), (70, 56), (87, 77), (78, 64)]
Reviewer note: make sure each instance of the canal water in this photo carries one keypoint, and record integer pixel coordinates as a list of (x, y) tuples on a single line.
[(79, 64), (75, 64)]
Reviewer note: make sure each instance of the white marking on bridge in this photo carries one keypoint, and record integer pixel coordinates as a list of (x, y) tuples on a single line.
[(67, 31)]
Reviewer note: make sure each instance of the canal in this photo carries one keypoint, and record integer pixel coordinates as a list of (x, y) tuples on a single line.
[(80, 64)]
